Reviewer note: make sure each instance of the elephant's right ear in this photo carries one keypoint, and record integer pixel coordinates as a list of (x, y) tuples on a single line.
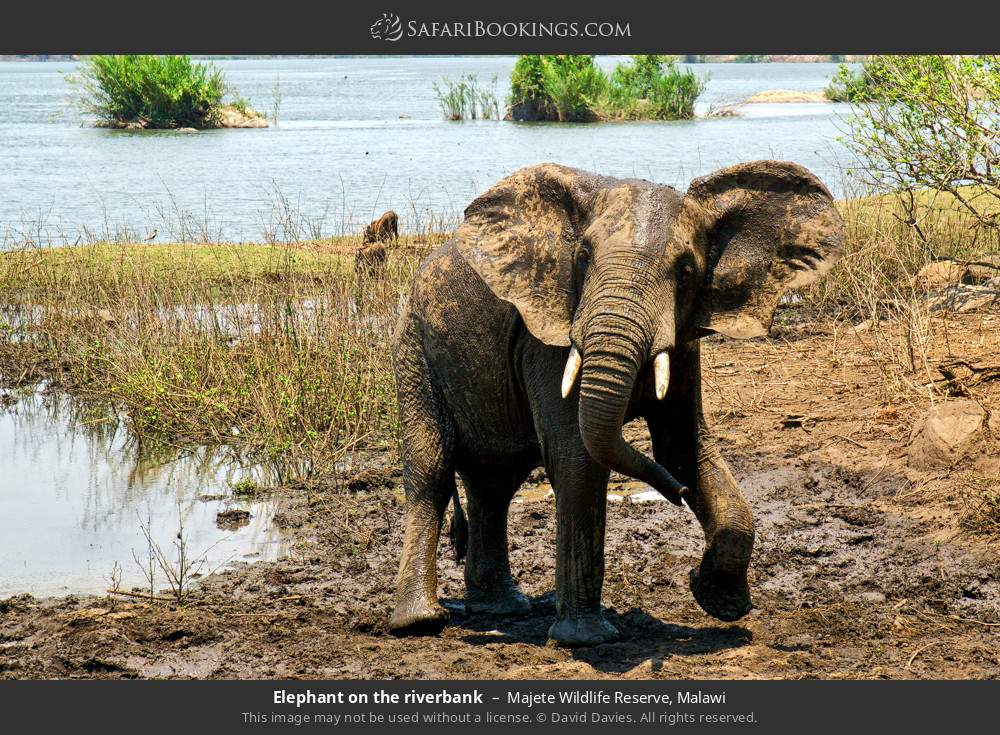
[(520, 237)]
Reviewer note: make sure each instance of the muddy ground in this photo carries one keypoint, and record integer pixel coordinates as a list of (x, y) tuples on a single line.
[(864, 567)]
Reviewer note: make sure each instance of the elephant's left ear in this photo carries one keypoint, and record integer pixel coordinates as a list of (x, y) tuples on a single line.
[(520, 237), (769, 226)]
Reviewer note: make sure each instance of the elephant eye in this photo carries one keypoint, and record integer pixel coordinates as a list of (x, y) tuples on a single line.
[(685, 266), (583, 254), (801, 257)]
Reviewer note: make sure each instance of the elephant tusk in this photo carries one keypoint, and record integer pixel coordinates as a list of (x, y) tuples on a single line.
[(573, 363), (661, 372)]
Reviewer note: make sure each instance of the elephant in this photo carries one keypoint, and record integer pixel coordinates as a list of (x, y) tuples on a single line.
[(567, 304), (384, 229)]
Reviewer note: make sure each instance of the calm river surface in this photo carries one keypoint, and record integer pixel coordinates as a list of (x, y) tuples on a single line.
[(77, 499), (357, 136)]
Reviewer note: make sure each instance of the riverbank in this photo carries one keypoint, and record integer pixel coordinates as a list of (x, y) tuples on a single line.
[(864, 567), (877, 512), (280, 351), (275, 350)]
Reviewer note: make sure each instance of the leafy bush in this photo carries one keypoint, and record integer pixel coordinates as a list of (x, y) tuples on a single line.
[(638, 78), (930, 123), (653, 87), (849, 85), (526, 83), (151, 91), (562, 87), (573, 88)]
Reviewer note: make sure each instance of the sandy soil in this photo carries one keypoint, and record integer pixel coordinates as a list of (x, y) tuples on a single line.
[(862, 567), (786, 96)]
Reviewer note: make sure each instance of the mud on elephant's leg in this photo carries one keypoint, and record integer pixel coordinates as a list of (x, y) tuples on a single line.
[(429, 483), (489, 585), (683, 443), (581, 488), (417, 610)]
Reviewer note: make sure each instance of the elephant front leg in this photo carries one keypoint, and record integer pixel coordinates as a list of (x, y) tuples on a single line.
[(683, 442), (581, 487), (719, 584)]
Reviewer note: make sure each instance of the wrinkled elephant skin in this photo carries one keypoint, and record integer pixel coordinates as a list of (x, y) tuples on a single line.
[(567, 304)]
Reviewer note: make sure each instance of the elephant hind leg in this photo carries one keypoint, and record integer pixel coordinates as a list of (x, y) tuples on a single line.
[(458, 532), (429, 483), (489, 585)]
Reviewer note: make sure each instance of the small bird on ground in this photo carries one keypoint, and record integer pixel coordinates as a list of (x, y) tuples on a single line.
[(152, 236)]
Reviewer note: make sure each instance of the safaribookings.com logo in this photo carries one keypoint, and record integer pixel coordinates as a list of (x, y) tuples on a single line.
[(387, 28), (390, 28)]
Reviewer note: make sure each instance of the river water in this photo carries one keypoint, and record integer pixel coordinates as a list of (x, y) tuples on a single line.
[(357, 136), (77, 498)]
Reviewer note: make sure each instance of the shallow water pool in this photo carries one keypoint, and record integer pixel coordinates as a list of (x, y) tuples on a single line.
[(78, 493)]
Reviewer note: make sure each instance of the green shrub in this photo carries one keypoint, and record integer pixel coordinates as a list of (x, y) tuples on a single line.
[(674, 93), (563, 87), (653, 87), (929, 122), (573, 88), (638, 77), (151, 91), (849, 85), (526, 84)]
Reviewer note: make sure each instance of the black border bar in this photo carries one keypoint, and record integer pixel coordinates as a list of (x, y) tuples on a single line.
[(813, 707), (228, 27)]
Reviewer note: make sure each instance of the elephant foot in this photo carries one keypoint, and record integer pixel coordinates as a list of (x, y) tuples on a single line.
[(506, 599), (720, 583), (418, 617), (725, 597), (589, 630)]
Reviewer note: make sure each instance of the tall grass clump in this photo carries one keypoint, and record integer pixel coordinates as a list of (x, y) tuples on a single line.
[(145, 91), (279, 352), (653, 87), (465, 99), (572, 88)]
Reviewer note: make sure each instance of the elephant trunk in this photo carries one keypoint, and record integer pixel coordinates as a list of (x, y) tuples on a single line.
[(614, 350)]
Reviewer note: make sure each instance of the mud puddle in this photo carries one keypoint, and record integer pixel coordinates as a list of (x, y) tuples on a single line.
[(78, 498)]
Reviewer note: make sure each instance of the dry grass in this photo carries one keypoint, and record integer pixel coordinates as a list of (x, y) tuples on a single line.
[(278, 351), (873, 289)]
